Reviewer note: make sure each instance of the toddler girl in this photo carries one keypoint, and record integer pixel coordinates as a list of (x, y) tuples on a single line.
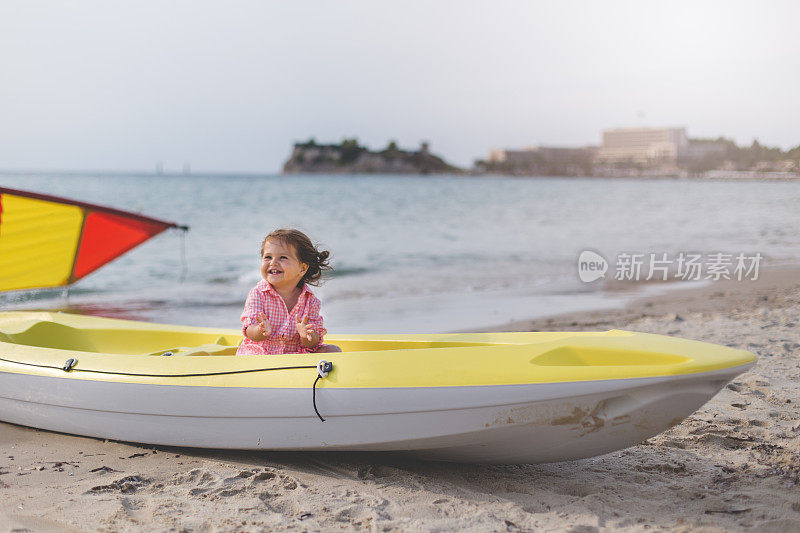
[(281, 314)]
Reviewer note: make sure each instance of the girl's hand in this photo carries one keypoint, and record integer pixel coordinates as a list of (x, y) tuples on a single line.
[(308, 336), (264, 327)]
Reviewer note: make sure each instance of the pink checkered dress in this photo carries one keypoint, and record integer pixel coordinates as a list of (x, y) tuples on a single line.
[(284, 337)]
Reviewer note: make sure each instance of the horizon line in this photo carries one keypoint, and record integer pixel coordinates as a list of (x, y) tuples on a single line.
[(78, 172)]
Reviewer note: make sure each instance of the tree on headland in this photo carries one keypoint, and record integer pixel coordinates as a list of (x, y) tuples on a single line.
[(350, 150), (392, 152), (308, 144)]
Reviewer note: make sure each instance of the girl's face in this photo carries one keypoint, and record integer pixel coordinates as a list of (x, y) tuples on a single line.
[(280, 265)]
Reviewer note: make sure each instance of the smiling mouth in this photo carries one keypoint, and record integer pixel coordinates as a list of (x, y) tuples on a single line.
[(274, 272)]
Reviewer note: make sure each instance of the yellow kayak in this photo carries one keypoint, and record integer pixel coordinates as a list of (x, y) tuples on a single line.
[(479, 397)]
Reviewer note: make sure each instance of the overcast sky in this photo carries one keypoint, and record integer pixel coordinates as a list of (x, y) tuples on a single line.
[(229, 86)]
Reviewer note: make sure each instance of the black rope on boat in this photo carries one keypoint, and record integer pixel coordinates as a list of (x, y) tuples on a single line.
[(322, 368), (314, 397), (141, 375)]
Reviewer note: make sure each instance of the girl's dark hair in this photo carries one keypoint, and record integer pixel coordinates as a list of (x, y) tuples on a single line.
[(306, 252)]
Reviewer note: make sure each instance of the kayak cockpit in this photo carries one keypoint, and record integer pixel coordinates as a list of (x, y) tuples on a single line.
[(157, 341)]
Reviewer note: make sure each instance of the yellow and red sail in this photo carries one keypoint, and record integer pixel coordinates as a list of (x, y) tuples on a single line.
[(46, 241)]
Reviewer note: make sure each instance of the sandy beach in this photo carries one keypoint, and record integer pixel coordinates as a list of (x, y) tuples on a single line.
[(732, 465)]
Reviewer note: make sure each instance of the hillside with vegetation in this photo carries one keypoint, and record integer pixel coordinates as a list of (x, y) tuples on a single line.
[(349, 157), (727, 155), (700, 157)]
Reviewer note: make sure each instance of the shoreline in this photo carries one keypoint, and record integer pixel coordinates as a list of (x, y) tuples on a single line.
[(718, 296)]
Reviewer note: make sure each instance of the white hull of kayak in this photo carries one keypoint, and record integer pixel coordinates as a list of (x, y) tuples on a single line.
[(528, 423)]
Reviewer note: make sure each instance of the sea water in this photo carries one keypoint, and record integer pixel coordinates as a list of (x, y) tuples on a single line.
[(411, 253)]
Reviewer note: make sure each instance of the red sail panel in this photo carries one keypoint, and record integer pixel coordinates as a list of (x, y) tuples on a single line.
[(106, 236)]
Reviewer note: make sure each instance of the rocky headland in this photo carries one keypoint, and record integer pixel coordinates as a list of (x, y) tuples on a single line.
[(349, 157)]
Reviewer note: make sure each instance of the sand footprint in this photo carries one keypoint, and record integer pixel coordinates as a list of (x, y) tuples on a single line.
[(125, 485), (281, 504)]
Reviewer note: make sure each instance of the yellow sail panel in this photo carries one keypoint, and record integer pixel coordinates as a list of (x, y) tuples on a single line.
[(38, 242)]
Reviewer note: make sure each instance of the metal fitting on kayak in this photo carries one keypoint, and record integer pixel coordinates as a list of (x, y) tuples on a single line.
[(324, 368), (69, 364)]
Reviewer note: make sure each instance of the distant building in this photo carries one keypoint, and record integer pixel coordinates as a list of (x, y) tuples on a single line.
[(536, 154), (542, 160), (512, 158), (644, 152), (704, 148), (565, 155), (665, 146)]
